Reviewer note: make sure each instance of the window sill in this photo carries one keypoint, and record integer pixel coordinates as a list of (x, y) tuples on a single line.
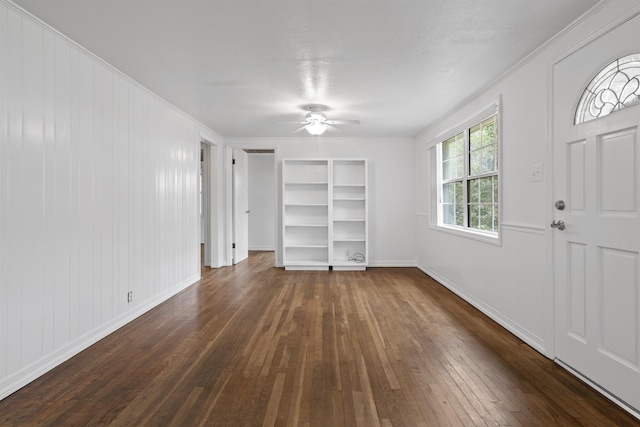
[(485, 237)]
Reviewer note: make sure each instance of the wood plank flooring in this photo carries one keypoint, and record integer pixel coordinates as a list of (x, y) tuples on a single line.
[(253, 345)]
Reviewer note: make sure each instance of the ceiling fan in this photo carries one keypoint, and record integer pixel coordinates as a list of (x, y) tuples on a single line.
[(316, 122)]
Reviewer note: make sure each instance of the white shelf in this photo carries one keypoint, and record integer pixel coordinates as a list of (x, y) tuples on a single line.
[(292, 265), (349, 220), (306, 204), (307, 183), (306, 263)]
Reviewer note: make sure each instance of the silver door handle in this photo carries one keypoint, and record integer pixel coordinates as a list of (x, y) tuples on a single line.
[(558, 224)]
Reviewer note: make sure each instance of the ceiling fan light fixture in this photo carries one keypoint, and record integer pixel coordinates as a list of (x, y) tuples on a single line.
[(316, 123), (316, 128)]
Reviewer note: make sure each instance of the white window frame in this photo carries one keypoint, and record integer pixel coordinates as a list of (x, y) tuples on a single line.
[(435, 147)]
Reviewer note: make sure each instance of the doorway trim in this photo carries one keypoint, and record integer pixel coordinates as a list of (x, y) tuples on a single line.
[(228, 157), (211, 201)]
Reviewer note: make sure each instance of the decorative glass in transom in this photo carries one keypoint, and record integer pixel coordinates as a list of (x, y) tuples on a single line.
[(615, 87)]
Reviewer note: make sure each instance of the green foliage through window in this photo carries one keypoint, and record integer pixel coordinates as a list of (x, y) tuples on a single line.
[(469, 177)]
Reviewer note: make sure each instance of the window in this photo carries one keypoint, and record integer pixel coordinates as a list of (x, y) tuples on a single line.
[(468, 178), (615, 87)]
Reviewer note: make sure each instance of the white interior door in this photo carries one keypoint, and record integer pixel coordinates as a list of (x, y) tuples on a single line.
[(240, 206), (202, 225), (596, 257)]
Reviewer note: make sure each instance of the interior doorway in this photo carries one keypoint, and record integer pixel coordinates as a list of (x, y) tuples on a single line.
[(240, 206), (201, 204), (262, 200), (209, 200), (205, 205), (254, 202)]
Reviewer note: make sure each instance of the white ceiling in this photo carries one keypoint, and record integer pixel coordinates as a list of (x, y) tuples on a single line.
[(239, 66)]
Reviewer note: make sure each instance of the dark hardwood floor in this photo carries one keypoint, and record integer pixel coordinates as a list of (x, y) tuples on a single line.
[(253, 345)]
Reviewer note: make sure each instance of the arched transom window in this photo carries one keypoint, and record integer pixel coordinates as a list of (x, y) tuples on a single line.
[(615, 87)]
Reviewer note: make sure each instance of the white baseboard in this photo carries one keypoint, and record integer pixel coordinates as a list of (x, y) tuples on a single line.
[(531, 339), (262, 248), (29, 373), (392, 264)]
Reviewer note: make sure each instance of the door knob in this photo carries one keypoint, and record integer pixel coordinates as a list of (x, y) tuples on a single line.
[(560, 205), (558, 224)]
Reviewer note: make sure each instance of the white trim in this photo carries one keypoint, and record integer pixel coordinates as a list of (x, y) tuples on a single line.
[(227, 159), (524, 228), (548, 291), (530, 339), (601, 31), (469, 233), (227, 171), (29, 373), (493, 108), (387, 263), (479, 115), (262, 248), (629, 409)]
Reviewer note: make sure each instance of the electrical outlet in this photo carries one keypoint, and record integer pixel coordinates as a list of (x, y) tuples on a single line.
[(130, 296)]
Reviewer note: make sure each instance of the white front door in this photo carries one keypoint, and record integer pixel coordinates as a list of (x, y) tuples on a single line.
[(240, 205), (597, 255)]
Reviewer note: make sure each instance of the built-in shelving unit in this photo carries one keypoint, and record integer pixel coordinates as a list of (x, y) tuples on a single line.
[(349, 220), (305, 216), (324, 213)]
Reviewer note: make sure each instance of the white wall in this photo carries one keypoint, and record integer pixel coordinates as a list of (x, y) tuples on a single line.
[(98, 197), (262, 202), (391, 187), (512, 282)]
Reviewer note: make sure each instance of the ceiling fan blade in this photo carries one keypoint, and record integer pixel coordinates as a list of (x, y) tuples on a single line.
[(299, 129), (343, 122), (292, 123), (332, 129)]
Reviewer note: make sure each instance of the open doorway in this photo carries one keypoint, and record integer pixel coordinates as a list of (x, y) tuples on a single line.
[(262, 200), (254, 202), (240, 206), (205, 204), (210, 176), (201, 203)]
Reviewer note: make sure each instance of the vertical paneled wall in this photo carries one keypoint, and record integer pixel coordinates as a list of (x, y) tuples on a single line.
[(98, 198)]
